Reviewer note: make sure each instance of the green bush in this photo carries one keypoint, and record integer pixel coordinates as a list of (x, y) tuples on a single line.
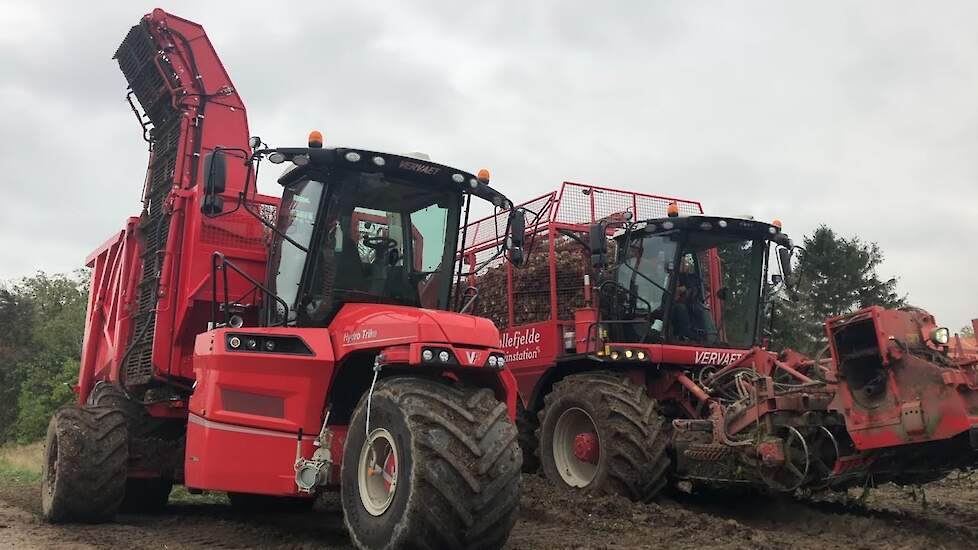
[(42, 321)]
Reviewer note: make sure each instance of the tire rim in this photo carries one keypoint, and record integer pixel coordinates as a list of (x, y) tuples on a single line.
[(52, 465), (574, 422), (377, 471)]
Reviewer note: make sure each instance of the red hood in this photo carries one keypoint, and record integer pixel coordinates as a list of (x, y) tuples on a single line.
[(366, 325)]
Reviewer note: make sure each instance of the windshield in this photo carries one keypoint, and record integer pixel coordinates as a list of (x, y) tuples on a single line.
[(687, 288), (296, 219), (648, 264), (717, 273), (741, 276), (376, 240)]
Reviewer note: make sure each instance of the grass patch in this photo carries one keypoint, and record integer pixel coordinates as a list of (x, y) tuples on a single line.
[(21, 463), (180, 495), (12, 474), (24, 457)]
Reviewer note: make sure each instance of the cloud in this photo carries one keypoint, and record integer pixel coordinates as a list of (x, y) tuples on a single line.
[(860, 116)]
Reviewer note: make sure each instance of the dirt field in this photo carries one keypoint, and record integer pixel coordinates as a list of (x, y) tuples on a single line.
[(890, 519)]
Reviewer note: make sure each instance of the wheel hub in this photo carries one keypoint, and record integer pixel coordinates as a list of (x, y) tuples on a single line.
[(586, 448), (576, 447), (377, 471)]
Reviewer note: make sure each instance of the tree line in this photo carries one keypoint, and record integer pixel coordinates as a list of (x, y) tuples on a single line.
[(831, 275), (42, 320)]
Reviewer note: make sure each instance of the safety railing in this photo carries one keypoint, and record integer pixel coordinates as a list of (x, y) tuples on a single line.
[(220, 264)]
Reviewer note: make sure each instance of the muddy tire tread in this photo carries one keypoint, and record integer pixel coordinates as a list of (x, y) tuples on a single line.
[(527, 425), (637, 462), (93, 456), (466, 481)]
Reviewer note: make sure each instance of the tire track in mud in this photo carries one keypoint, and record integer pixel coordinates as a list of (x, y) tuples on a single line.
[(552, 519), (190, 526), (889, 519)]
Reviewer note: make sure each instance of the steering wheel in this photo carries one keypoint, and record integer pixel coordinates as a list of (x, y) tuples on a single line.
[(379, 243), (631, 306)]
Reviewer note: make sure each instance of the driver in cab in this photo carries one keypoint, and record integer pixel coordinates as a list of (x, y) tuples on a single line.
[(691, 320)]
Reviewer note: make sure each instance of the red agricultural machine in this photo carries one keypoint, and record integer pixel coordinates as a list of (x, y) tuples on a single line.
[(651, 367), (274, 349)]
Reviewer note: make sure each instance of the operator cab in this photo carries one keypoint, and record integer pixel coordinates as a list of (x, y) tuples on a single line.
[(696, 280), (367, 227)]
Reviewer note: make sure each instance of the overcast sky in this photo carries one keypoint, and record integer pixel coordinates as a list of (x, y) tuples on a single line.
[(859, 115)]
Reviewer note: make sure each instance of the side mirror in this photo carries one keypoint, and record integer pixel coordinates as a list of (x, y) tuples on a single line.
[(517, 232), (777, 279), (215, 178), (784, 254), (599, 245)]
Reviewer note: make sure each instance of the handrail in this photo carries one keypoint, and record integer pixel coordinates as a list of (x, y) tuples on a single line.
[(592, 335), (472, 297), (220, 263)]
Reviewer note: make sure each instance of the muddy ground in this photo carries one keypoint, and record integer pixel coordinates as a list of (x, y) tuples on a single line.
[(890, 518)]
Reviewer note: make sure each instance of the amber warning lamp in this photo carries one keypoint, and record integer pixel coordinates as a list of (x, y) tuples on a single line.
[(776, 223), (672, 210), (483, 175), (316, 139)]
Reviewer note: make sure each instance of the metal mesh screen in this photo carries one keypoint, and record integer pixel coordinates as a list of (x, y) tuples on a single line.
[(584, 204), (569, 210), (137, 57), (572, 263)]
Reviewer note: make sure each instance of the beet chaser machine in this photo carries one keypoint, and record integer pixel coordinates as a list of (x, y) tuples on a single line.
[(277, 349)]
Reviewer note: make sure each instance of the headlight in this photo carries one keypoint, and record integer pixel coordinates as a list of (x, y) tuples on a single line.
[(940, 336), (501, 361), (267, 343), (443, 356), (427, 355), (493, 361)]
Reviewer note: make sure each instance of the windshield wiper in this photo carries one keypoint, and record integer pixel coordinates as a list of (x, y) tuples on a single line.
[(642, 275), (275, 229)]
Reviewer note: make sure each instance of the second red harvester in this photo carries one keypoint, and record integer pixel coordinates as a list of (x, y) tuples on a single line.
[(635, 332)]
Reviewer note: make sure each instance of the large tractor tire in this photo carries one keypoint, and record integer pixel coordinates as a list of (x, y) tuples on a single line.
[(526, 424), (83, 477), (438, 468), (143, 495), (138, 421), (600, 432)]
